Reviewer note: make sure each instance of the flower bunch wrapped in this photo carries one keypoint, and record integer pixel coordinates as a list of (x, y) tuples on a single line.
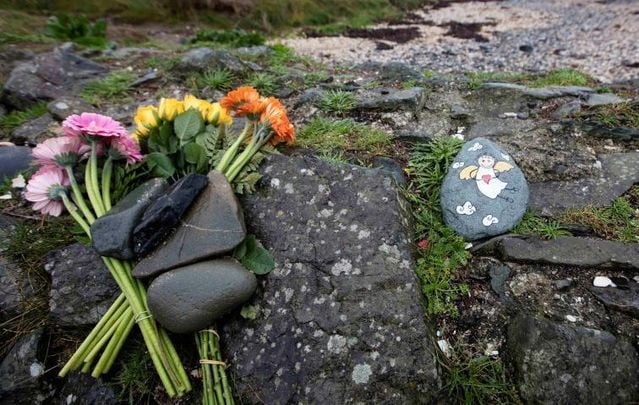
[(175, 138)]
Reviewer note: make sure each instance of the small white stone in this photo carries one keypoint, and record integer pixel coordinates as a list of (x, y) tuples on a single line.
[(18, 182), (36, 369), (571, 318), (61, 105), (602, 281), (443, 346)]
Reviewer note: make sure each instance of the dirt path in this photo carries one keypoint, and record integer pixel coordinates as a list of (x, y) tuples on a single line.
[(598, 37)]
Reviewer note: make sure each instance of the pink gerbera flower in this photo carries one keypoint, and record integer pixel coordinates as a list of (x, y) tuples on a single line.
[(126, 148), (45, 190), (62, 152), (92, 124)]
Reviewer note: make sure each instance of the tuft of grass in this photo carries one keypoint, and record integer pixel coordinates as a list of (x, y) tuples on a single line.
[(617, 115), (338, 101), (162, 63), (471, 379), (234, 38), (620, 221), (19, 27), (442, 251), (136, 378), (16, 118), (335, 157), (311, 79), (266, 83), (329, 136), (78, 29), (533, 224), (218, 79), (112, 88), (562, 77), (282, 55)]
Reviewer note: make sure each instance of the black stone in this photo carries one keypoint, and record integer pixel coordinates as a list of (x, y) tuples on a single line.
[(214, 225), (13, 160), (191, 298), (526, 48), (112, 234), (165, 213), (624, 299), (21, 370)]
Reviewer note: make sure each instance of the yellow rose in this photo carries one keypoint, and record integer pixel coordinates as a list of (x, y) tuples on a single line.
[(146, 117), (203, 106), (170, 108), (218, 115)]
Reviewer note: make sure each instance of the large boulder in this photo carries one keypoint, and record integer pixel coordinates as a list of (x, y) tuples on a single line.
[(563, 364), (49, 76), (82, 288), (340, 318)]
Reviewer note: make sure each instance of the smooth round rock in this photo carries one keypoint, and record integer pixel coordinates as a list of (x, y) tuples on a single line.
[(13, 160), (484, 192), (191, 298)]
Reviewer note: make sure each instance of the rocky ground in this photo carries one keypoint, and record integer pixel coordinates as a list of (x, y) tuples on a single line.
[(351, 312), (597, 37)]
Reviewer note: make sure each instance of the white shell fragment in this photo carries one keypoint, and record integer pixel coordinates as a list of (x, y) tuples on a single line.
[(602, 281)]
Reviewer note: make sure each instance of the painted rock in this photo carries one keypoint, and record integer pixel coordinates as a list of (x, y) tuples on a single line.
[(484, 192), (112, 233), (214, 225), (191, 298)]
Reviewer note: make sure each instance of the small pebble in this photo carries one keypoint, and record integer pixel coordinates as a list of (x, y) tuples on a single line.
[(601, 281), (571, 318)]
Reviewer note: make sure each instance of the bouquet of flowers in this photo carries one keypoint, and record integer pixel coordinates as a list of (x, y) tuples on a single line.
[(173, 139)]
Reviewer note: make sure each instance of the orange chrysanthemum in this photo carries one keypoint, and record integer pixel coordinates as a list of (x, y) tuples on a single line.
[(243, 101), (275, 117), (251, 109)]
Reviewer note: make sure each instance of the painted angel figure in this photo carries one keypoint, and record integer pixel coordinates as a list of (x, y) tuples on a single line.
[(486, 175)]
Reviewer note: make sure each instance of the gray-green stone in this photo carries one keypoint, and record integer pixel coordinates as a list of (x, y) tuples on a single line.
[(191, 298), (213, 225), (112, 234)]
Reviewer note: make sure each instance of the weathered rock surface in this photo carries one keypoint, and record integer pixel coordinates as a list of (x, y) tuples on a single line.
[(112, 234), (341, 313), (165, 213), (82, 288), (49, 76), (567, 250), (191, 298), (35, 131), (484, 192), (21, 369), (624, 299), (14, 159), (619, 172), (557, 363), (201, 59), (391, 99), (82, 389), (15, 288), (62, 107), (542, 92), (214, 225)]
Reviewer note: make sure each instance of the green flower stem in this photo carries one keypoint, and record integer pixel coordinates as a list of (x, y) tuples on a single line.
[(109, 331), (93, 162), (90, 185), (214, 343), (146, 324), (207, 391), (74, 213), (126, 330), (175, 358), (107, 171), (232, 150), (244, 158), (79, 354), (77, 194), (119, 337)]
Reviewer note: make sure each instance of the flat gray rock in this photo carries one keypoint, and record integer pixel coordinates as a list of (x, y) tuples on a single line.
[(621, 299), (597, 99), (201, 59), (112, 233), (49, 76), (21, 369), (484, 192), (35, 131), (391, 99), (567, 250), (62, 107), (341, 313), (619, 172), (213, 225), (82, 288), (13, 160), (542, 92), (192, 298), (563, 364)]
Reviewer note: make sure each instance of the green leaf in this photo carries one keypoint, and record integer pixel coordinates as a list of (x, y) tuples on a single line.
[(196, 155), (254, 256), (162, 139), (188, 124), (160, 164)]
